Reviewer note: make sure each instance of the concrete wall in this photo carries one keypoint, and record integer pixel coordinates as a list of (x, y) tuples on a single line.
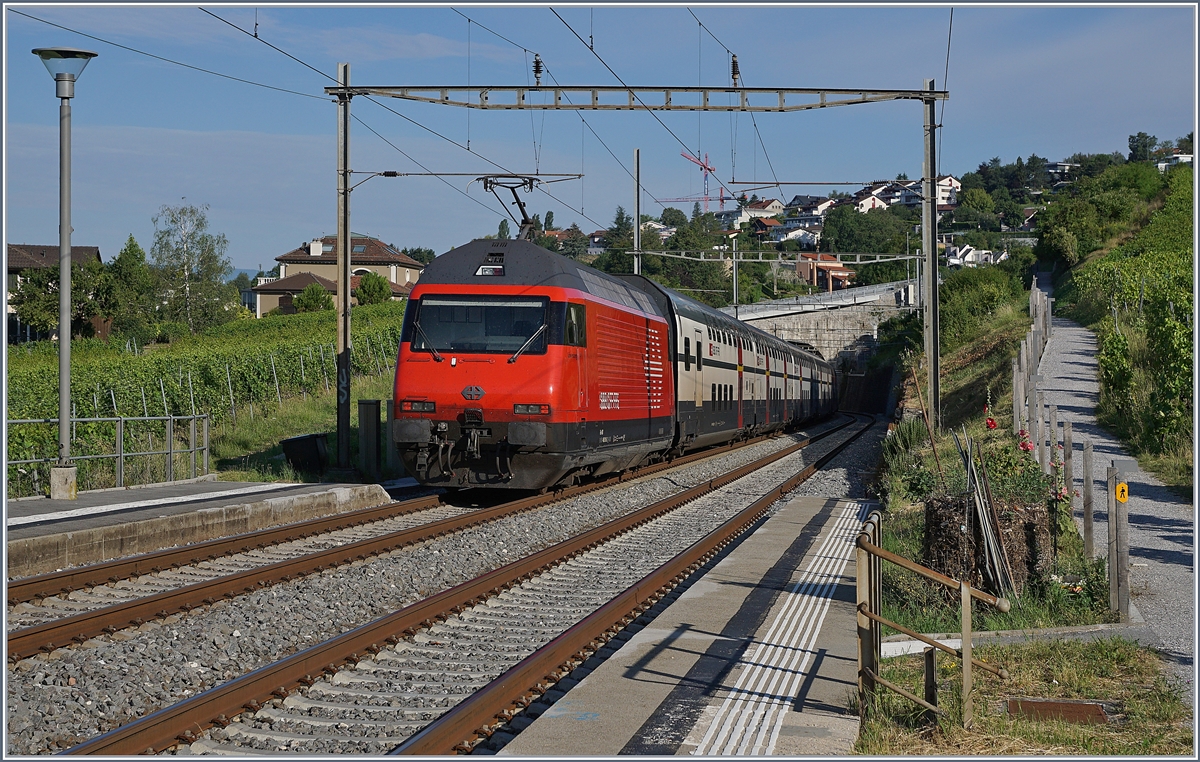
[(37, 555), (830, 331)]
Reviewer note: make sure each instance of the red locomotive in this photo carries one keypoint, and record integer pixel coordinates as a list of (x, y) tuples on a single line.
[(523, 369)]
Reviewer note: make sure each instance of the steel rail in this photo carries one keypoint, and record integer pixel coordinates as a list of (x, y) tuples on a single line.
[(48, 636), (489, 708), (168, 726), (68, 580)]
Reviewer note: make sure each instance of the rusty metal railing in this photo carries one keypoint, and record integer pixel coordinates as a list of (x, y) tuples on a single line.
[(869, 562)]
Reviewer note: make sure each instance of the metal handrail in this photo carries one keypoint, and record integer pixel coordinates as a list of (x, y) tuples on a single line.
[(870, 622), (193, 449)]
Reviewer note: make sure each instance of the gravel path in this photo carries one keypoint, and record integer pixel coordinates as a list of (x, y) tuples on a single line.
[(1161, 524)]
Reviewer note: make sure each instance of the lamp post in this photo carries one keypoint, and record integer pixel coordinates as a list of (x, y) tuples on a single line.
[(65, 65)]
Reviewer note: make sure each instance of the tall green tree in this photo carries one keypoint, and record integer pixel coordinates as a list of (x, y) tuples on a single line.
[(192, 268), (575, 244), (132, 291), (673, 218), (1141, 146), (502, 231), (419, 253), (550, 221)]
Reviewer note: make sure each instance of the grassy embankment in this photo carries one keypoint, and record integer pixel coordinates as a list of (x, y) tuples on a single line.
[(1146, 714), (1135, 293), (984, 319)]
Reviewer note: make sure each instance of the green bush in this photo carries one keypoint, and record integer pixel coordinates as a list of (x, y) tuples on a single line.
[(314, 298)]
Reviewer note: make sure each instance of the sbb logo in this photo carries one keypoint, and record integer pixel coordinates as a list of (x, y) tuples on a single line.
[(610, 400)]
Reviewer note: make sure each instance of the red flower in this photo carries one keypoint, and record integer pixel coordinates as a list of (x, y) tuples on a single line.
[(991, 423)]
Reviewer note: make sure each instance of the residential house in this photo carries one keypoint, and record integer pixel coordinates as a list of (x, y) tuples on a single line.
[(770, 207), (658, 229), (948, 188), (1170, 161), (24, 256), (316, 262), (763, 227), (807, 237), (823, 271), (968, 256), (1058, 171)]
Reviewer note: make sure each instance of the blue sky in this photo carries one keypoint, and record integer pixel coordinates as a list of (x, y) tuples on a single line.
[(1022, 79)]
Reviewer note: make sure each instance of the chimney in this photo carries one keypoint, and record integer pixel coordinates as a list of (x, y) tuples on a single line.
[(314, 247)]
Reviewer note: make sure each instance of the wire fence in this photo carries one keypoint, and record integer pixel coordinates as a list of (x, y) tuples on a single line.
[(108, 452)]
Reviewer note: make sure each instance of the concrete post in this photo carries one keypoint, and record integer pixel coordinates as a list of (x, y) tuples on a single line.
[(343, 271), (929, 249)]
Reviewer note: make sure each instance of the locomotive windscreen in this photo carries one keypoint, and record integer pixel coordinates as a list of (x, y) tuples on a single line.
[(480, 324)]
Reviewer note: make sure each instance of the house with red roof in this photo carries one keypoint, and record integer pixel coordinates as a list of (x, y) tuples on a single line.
[(316, 262)]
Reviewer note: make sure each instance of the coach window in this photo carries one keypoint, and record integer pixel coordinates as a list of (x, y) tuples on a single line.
[(576, 329), (687, 353)]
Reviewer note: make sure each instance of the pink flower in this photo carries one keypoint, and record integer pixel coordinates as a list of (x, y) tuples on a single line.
[(1027, 446), (1023, 434)]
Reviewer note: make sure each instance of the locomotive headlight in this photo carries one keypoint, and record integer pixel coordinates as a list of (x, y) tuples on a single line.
[(410, 406), (531, 409)]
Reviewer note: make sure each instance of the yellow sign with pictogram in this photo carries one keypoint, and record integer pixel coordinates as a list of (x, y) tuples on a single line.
[(1122, 492)]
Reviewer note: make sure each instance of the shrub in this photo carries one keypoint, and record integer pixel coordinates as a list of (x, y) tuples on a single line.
[(313, 298), (373, 289)]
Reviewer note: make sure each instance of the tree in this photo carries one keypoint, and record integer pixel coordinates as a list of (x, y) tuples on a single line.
[(36, 300), (192, 268), (1185, 143), (503, 231), (372, 289), (421, 254), (1141, 146), (133, 292), (978, 200), (241, 282), (313, 298), (550, 221), (620, 234), (575, 244), (672, 217)]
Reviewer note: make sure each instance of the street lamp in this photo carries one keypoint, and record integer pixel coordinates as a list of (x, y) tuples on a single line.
[(65, 65)]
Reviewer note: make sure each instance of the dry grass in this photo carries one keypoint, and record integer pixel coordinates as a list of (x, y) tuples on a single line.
[(1150, 716)]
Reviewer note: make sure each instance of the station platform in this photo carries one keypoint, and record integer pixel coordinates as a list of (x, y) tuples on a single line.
[(44, 535), (757, 657)]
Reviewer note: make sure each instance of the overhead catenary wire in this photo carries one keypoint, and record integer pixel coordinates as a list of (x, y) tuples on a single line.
[(411, 120), (635, 95), (553, 78), (166, 60), (945, 82), (753, 121)]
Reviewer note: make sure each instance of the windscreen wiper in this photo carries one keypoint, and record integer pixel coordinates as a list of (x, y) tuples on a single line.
[(528, 341), (428, 343)]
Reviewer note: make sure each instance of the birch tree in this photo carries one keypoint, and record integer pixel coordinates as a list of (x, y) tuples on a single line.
[(192, 267)]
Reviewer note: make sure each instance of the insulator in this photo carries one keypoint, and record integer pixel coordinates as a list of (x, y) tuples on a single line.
[(734, 70), (537, 68)]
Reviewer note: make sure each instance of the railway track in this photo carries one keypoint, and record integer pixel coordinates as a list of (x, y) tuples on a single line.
[(444, 673), (158, 585)]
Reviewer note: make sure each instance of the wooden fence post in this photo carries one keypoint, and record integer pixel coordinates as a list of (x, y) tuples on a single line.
[(1112, 539), (968, 714), (931, 682), (1089, 548)]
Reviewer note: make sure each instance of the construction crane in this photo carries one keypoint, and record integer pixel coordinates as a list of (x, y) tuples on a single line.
[(706, 168)]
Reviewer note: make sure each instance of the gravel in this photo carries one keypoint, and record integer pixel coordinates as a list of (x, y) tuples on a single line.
[(1161, 524), (57, 700)]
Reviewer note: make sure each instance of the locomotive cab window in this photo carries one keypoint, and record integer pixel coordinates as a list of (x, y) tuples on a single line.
[(480, 324)]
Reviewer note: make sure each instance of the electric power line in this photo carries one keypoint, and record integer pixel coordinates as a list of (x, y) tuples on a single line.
[(406, 118), (167, 60)]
